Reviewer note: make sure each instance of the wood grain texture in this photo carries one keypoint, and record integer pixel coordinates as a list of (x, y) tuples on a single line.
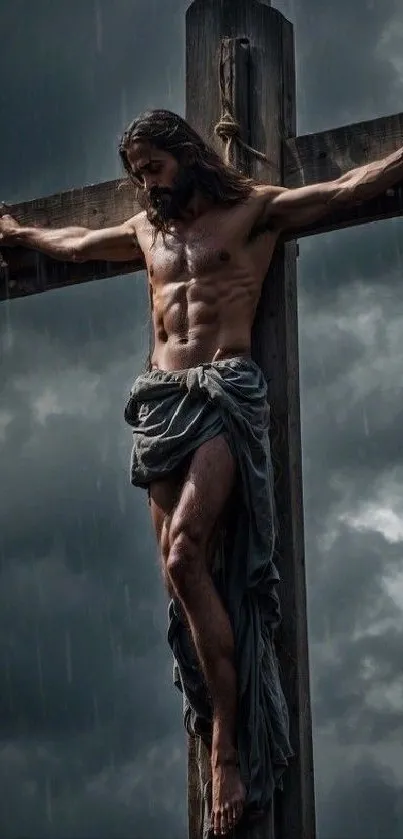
[(311, 158), (98, 205), (275, 343), (325, 156), (267, 85), (24, 272), (28, 272), (383, 207), (195, 792)]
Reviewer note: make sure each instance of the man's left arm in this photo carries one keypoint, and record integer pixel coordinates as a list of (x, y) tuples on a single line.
[(287, 209)]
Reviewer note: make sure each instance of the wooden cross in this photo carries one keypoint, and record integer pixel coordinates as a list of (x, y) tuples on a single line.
[(240, 78)]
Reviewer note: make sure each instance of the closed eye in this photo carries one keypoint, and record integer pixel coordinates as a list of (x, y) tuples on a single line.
[(153, 167)]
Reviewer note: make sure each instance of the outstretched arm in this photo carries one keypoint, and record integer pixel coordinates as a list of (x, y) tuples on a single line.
[(287, 209), (74, 244)]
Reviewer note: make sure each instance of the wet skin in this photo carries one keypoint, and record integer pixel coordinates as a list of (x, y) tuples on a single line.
[(205, 279)]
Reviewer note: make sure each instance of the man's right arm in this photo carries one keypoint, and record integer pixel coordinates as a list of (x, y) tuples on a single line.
[(75, 244)]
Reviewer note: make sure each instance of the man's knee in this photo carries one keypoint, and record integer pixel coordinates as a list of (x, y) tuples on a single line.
[(164, 539), (187, 548)]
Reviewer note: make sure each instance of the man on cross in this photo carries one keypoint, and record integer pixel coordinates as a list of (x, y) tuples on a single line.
[(200, 420)]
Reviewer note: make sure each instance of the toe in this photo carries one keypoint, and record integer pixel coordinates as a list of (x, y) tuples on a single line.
[(238, 810), (225, 826), (230, 817), (217, 823)]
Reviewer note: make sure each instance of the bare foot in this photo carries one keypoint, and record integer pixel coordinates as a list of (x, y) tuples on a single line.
[(228, 796)]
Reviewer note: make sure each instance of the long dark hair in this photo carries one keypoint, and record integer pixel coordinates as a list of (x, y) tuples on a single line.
[(171, 133)]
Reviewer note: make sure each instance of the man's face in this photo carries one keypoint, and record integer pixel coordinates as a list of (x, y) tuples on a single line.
[(168, 186)]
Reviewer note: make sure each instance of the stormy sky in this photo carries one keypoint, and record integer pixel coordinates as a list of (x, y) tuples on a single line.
[(91, 738)]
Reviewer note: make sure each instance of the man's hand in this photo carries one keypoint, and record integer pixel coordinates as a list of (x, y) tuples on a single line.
[(9, 227)]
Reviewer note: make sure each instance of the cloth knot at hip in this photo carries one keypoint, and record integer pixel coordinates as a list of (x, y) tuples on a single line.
[(192, 381)]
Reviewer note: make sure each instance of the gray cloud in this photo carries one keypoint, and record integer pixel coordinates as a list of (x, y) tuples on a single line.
[(365, 801), (91, 730), (344, 74)]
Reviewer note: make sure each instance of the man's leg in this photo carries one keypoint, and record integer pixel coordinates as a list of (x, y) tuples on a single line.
[(164, 495), (185, 537)]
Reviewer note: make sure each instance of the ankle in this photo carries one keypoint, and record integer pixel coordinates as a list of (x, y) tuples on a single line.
[(223, 755)]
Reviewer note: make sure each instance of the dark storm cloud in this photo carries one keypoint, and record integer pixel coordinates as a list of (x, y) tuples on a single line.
[(351, 426), (365, 802), (70, 324), (358, 649), (82, 611), (89, 68), (332, 261), (69, 794), (351, 393), (343, 75), (92, 737), (82, 622)]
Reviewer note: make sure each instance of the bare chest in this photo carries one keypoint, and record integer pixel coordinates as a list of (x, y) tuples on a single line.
[(189, 255), (211, 250)]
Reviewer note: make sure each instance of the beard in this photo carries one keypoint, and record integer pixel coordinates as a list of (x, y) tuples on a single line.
[(163, 204)]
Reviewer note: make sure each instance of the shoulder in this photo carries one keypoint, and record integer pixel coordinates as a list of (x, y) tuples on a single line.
[(264, 194), (136, 223), (136, 228), (262, 201)]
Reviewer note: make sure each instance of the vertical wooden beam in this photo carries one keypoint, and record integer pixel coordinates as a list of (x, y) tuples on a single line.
[(195, 792), (261, 79)]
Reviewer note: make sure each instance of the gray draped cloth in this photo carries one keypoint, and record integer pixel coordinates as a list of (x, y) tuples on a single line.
[(172, 414)]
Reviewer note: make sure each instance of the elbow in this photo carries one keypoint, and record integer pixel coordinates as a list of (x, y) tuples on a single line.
[(66, 252), (355, 188), (345, 193), (74, 253)]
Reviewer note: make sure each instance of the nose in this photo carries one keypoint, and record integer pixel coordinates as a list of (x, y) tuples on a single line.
[(149, 181)]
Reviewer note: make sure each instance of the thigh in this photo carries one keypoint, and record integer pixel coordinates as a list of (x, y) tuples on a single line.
[(163, 498), (164, 495), (205, 493)]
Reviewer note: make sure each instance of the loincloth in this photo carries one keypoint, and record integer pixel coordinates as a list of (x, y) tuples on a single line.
[(172, 414)]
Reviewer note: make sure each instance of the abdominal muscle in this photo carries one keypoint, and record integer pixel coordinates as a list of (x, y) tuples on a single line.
[(190, 330), (174, 354)]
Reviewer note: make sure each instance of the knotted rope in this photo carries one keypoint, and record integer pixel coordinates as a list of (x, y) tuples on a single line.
[(228, 128)]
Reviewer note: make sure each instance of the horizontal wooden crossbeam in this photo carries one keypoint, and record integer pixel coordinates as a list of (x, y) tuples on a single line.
[(308, 159), (24, 272), (325, 156)]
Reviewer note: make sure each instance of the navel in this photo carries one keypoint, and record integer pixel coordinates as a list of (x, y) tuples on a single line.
[(151, 270), (224, 256)]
